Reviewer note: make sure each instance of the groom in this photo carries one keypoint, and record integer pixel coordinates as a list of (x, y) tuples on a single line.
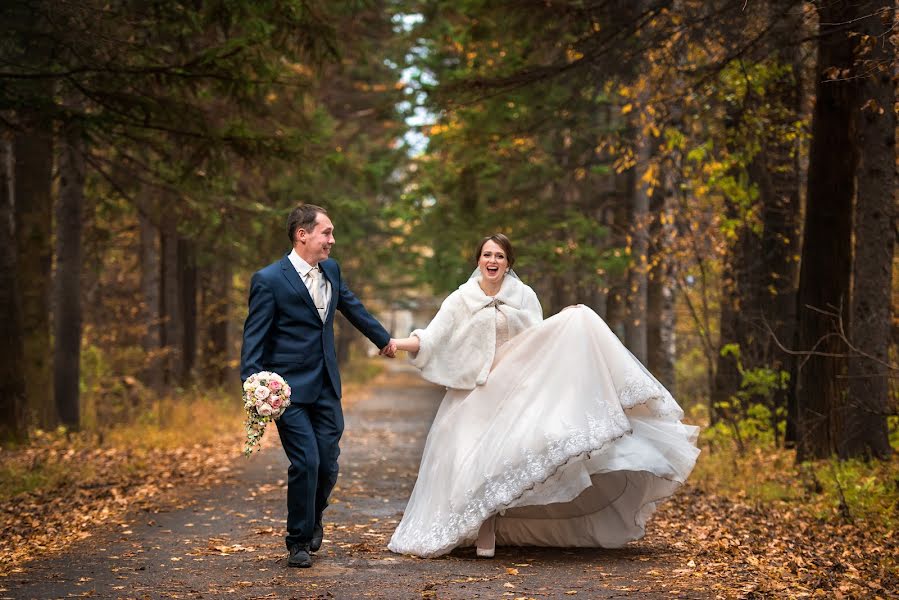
[(290, 330)]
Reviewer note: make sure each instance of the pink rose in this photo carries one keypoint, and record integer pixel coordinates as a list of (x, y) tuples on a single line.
[(265, 410), (261, 393), (274, 385)]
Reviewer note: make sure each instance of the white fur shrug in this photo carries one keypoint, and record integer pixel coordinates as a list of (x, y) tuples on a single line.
[(458, 345)]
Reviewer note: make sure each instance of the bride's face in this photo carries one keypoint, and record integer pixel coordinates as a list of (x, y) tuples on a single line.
[(493, 262)]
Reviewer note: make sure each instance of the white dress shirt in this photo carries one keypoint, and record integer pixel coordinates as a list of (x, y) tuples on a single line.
[(303, 268)]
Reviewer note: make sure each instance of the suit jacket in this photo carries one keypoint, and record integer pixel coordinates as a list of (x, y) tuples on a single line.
[(284, 333)]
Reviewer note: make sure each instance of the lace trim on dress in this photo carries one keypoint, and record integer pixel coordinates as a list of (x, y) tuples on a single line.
[(639, 389), (501, 491)]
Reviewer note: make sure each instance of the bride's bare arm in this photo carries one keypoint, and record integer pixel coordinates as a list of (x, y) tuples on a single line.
[(409, 344)]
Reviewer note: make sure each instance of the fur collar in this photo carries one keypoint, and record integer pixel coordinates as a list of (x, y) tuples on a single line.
[(511, 292)]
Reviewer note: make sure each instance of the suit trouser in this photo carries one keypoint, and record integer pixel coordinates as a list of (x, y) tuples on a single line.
[(310, 435)]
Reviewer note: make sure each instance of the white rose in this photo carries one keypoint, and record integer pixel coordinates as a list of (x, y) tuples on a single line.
[(265, 410), (262, 393)]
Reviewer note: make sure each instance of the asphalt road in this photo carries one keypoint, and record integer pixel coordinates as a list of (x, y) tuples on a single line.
[(227, 542)]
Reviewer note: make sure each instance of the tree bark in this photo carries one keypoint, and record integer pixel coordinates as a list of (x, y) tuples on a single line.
[(216, 302), (726, 380), (67, 280), (635, 332), (13, 422), (864, 431), (187, 301), (826, 250), (153, 372), (777, 172), (172, 327), (34, 234), (660, 334), (344, 340)]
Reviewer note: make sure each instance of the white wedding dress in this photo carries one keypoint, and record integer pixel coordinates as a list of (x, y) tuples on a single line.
[(570, 442)]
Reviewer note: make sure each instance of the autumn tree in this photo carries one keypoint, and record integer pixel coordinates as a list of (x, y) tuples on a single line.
[(826, 252), (157, 96), (13, 422), (864, 431)]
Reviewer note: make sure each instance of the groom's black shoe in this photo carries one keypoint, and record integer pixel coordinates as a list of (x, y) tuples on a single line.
[(299, 556), (318, 534)]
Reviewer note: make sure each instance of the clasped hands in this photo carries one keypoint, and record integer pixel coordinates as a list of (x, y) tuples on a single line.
[(389, 350)]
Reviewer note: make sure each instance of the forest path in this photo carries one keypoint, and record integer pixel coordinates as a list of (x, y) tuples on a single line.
[(226, 541)]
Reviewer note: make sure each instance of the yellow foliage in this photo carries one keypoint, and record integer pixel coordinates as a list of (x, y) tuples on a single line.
[(573, 55), (649, 175), (299, 69), (437, 129)]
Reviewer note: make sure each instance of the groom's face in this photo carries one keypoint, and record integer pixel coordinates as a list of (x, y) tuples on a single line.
[(318, 242)]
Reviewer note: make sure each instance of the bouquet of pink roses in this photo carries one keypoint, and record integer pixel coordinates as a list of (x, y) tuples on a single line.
[(266, 397)]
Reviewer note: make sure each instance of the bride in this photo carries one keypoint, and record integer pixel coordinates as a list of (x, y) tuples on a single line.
[(550, 434)]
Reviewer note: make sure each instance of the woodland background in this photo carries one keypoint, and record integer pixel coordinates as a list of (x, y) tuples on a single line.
[(717, 179)]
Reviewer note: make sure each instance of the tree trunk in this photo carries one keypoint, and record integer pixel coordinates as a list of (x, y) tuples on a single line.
[(739, 314), (34, 234), (726, 380), (67, 280), (616, 310), (826, 250), (172, 327), (13, 422), (344, 340), (216, 302), (151, 269), (635, 332), (864, 431), (777, 172), (660, 335), (187, 286)]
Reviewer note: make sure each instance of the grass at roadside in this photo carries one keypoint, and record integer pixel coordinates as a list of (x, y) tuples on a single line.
[(57, 459), (825, 528), (856, 491)]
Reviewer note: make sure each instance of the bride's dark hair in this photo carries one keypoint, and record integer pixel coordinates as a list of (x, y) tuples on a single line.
[(503, 243)]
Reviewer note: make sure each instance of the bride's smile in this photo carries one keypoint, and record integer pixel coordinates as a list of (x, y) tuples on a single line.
[(493, 264)]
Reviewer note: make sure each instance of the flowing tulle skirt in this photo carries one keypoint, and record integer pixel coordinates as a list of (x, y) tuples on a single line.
[(570, 442)]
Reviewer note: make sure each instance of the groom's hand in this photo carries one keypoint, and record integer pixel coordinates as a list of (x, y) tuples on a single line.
[(389, 350)]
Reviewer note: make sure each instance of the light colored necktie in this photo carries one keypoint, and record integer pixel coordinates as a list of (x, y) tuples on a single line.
[(315, 277)]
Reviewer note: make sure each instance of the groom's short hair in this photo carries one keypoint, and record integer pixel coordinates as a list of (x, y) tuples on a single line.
[(303, 217)]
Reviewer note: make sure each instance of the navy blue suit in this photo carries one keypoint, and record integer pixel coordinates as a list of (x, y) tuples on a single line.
[(284, 333)]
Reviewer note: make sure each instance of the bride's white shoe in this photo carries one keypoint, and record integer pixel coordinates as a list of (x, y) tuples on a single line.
[(486, 545)]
